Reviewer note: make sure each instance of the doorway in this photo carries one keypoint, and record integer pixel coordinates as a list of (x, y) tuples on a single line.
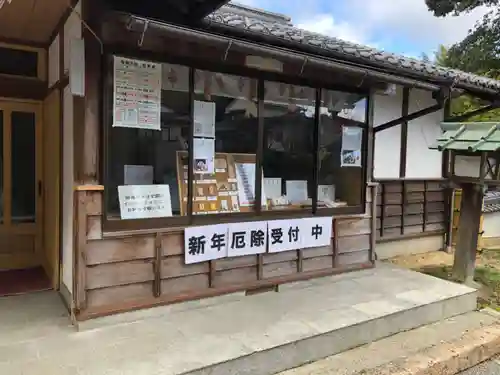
[(22, 256)]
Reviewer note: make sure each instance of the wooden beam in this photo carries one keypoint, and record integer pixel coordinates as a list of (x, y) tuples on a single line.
[(405, 108), (87, 131), (470, 215), (22, 88), (410, 117)]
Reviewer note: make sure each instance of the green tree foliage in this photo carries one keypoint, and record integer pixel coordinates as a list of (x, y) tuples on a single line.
[(478, 53)]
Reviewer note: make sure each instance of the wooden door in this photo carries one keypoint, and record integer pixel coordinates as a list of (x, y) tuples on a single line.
[(20, 185)]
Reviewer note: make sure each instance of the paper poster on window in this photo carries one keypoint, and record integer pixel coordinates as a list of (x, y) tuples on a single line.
[(326, 193), (350, 155), (144, 201), (296, 191), (204, 119), (138, 175), (137, 94), (317, 232), (284, 235), (247, 238), (204, 155), (205, 243), (245, 176), (272, 185)]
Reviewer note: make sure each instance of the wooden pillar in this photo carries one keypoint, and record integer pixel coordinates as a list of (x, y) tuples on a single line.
[(470, 216), (87, 109)]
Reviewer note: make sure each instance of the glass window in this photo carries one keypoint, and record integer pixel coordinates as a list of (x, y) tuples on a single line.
[(23, 167), (225, 155), (288, 157), (151, 157), (341, 122), (215, 123)]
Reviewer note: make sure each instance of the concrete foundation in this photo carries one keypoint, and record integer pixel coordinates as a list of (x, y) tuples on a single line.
[(254, 335)]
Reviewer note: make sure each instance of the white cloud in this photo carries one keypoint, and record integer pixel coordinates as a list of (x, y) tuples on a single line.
[(327, 25), (374, 22)]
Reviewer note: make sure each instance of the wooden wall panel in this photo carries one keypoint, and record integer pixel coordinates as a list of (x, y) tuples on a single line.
[(349, 259), (409, 208), (174, 266), (119, 294), (353, 243), (236, 276), (120, 250), (186, 284), (279, 269), (123, 273)]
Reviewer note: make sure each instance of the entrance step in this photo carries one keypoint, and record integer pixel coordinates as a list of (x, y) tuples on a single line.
[(456, 343), (255, 335)]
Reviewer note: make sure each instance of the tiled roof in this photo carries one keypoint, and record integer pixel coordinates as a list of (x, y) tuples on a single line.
[(471, 136), (334, 47), (491, 202)]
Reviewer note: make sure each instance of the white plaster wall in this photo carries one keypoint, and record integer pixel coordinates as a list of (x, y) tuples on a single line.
[(54, 62), (420, 161), (422, 132), (67, 191), (491, 225), (72, 30), (387, 142)]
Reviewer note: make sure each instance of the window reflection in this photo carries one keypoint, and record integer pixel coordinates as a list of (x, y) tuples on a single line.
[(340, 178), (288, 158), (230, 104), (147, 157)]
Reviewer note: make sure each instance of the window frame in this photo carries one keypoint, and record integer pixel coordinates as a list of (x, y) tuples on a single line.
[(179, 222)]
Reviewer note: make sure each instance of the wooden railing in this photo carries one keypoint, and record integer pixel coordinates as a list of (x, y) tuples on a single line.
[(411, 208)]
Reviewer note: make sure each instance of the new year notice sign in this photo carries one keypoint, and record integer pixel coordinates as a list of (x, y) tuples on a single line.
[(136, 94)]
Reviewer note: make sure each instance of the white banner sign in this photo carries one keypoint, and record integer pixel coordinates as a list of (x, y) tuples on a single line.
[(212, 242), (137, 94), (205, 243), (247, 238), (144, 201)]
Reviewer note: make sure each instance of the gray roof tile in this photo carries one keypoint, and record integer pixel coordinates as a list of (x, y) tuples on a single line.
[(364, 54)]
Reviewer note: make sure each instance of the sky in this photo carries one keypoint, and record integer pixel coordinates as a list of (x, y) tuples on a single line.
[(400, 26)]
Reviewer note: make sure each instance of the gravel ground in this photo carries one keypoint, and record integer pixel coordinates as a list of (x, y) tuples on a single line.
[(491, 367)]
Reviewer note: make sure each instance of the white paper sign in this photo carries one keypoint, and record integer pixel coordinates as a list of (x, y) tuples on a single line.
[(137, 94), (326, 193), (317, 232), (245, 176), (204, 155), (247, 238), (204, 119), (205, 243), (144, 201), (350, 155), (138, 174), (284, 235), (273, 187), (296, 191)]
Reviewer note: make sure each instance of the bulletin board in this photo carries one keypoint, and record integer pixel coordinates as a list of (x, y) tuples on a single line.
[(218, 192)]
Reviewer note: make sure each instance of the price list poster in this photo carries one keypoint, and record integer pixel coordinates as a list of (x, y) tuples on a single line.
[(136, 94)]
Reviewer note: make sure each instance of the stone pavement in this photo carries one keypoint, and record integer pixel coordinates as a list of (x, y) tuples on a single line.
[(254, 335), (491, 367)]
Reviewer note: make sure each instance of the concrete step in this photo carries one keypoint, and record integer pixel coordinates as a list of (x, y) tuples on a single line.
[(254, 335), (383, 356)]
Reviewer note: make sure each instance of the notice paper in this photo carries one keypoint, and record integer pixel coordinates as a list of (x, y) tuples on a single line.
[(245, 176), (144, 201), (296, 191), (204, 155), (138, 174), (350, 155), (204, 119), (273, 187), (326, 193), (137, 94)]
